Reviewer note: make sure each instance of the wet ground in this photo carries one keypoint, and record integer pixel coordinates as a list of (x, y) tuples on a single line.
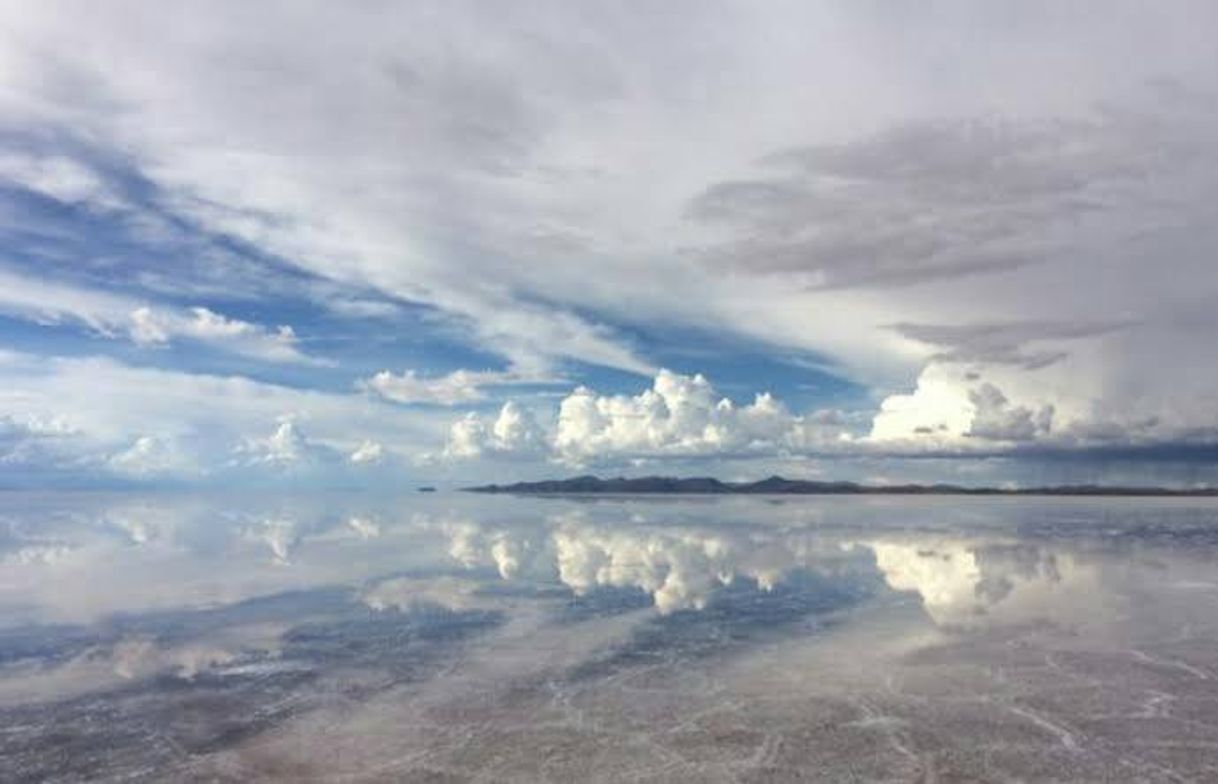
[(458, 638)]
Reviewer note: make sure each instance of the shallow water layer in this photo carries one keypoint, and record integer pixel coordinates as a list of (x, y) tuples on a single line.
[(456, 638)]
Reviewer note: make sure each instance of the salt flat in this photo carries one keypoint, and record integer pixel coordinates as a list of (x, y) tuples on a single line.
[(459, 638)]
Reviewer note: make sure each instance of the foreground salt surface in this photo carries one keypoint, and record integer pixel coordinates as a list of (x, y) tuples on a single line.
[(461, 638)]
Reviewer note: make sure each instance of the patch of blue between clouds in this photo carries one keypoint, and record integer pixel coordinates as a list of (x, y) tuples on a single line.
[(737, 368)]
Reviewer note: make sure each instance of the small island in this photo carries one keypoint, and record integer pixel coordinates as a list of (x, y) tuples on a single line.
[(777, 485)]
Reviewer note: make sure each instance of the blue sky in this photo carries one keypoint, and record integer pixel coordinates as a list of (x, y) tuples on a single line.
[(445, 242)]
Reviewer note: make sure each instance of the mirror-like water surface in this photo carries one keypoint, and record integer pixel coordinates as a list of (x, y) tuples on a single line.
[(459, 638)]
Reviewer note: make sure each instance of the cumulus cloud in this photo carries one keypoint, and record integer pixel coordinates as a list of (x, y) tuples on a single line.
[(514, 433), (959, 582), (1068, 405), (679, 416), (680, 572), (938, 410), (957, 410), (972, 584), (288, 452), (994, 418), (149, 456), (285, 449), (93, 416), (470, 544), (680, 569)]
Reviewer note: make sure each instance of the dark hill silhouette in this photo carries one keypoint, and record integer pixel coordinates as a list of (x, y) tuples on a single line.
[(777, 485)]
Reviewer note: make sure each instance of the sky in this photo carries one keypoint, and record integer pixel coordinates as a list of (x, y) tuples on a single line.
[(370, 243)]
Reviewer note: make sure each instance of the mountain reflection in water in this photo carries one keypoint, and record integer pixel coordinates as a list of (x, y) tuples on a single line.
[(461, 638)]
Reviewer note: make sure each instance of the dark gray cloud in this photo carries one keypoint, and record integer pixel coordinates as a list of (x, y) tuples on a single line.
[(996, 419), (930, 200), (1004, 344)]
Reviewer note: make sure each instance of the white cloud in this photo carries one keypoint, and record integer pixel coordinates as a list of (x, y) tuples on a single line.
[(411, 593), (514, 432), (467, 438), (45, 302), (956, 408), (1079, 401), (471, 545), (367, 452), (241, 337), (108, 666), (149, 456), (93, 414), (57, 177), (364, 527), (141, 658), (680, 569), (115, 315), (972, 584), (679, 416), (280, 535), (286, 448), (459, 386), (936, 412)]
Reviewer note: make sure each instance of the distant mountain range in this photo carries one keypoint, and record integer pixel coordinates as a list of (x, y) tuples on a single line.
[(777, 485)]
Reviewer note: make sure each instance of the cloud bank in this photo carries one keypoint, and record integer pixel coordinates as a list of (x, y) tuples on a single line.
[(992, 224)]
